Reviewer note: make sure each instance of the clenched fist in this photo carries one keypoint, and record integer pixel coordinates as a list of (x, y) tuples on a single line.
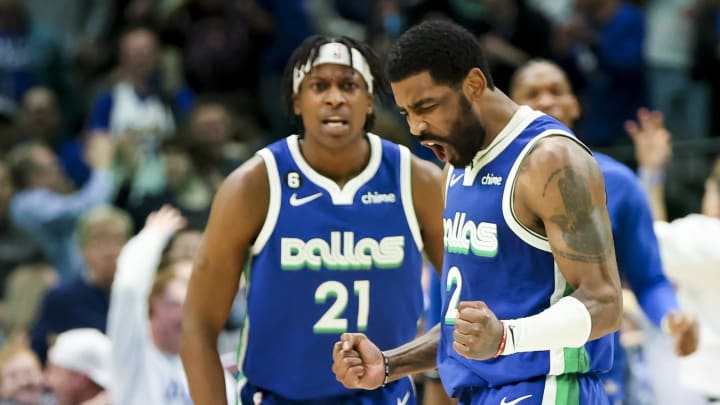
[(357, 362), (477, 331)]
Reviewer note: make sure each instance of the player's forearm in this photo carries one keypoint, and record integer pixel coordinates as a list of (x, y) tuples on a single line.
[(203, 367), (415, 356), (658, 300), (571, 322)]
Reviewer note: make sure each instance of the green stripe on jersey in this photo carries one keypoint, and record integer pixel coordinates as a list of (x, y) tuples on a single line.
[(576, 360), (568, 390)]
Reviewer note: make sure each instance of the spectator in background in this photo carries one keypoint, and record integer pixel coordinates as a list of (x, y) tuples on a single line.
[(21, 378), (146, 367), (16, 246), (336, 18), (511, 32), (23, 295), (669, 55), (138, 112), (292, 24), (43, 205), (8, 135), (689, 250), (84, 300), (601, 46), (183, 245), (31, 55), (219, 142), (707, 55), (82, 26), (133, 13), (40, 119), (556, 11), (219, 42), (184, 188), (78, 369)]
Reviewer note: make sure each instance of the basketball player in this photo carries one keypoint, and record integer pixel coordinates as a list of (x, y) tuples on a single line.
[(332, 223), (543, 85), (530, 282)]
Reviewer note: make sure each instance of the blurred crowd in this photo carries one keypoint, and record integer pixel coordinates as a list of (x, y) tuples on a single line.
[(111, 110)]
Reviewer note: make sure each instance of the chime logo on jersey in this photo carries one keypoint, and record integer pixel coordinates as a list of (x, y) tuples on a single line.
[(463, 236), (342, 252), (491, 179), (377, 198)]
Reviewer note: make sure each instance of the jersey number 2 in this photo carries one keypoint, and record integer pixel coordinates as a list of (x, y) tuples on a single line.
[(454, 279), (331, 321)]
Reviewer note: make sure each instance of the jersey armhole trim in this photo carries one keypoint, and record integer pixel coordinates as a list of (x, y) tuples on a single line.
[(274, 204), (407, 197), (526, 234)]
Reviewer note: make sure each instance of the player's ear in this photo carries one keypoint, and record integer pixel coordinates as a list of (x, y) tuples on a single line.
[(474, 84), (574, 108), (296, 104)]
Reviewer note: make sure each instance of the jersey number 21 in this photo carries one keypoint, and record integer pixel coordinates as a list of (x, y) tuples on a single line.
[(332, 321)]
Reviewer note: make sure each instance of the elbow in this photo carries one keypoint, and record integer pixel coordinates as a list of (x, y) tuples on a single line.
[(195, 334), (606, 312), (616, 309), (611, 307)]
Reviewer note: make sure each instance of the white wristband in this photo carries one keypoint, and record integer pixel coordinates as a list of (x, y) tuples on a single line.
[(567, 323)]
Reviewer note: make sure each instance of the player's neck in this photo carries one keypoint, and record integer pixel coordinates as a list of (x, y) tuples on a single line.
[(338, 163), (497, 111)]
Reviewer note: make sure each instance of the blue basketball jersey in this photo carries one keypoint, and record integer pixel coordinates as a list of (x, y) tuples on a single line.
[(330, 260), (491, 256)]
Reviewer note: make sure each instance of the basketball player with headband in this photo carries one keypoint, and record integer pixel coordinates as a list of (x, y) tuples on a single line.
[(332, 223)]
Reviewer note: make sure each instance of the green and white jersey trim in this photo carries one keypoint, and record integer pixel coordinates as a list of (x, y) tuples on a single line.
[(526, 234), (561, 390), (273, 206)]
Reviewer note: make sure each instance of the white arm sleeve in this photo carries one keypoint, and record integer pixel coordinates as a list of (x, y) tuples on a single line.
[(567, 323), (128, 326)]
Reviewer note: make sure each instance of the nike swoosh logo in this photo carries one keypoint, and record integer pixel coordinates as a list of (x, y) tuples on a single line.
[(403, 400), (296, 202), (515, 401), (455, 179)]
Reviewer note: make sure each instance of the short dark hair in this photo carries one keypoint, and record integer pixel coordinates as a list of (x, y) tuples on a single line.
[(308, 50), (22, 165), (532, 63), (442, 48)]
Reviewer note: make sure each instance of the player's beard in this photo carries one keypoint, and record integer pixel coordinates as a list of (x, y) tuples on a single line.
[(466, 135)]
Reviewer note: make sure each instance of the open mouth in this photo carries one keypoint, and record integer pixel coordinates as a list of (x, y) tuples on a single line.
[(335, 125), (437, 148), (335, 122)]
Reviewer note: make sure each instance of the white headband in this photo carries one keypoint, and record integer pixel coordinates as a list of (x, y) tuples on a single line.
[(335, 53)]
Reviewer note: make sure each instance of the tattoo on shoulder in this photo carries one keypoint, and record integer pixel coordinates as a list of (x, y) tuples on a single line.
[(581, 223)]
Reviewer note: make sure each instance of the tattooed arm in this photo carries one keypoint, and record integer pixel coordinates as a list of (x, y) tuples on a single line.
[(560, 193)]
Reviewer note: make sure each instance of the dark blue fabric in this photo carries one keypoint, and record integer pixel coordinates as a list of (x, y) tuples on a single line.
[(74, 304)]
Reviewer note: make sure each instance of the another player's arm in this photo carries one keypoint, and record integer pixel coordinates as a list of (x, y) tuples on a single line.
[(357, 362), (427, 189), (237, 214), (561, 187)]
